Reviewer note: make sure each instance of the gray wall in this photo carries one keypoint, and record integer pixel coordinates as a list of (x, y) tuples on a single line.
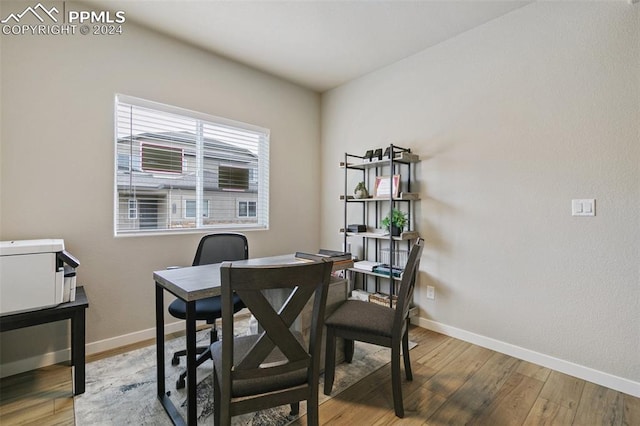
[(57, 163), (513, 119)]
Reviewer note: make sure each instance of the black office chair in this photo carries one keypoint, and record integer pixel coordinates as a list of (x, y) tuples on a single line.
[(213, 248)]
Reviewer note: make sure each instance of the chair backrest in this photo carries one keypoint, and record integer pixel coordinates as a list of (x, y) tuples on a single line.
[(407, 285), (217, 248), (304, 280)]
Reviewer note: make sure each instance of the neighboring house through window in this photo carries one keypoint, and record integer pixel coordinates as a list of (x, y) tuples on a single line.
[(172, 163), (191, 206), (133, 209), (247, 209), (161, 158), (233, 178)]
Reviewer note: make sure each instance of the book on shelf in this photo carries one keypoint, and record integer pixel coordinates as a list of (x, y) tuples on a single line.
[(373, 234), (409, 196), (386, 270), (366, 265)]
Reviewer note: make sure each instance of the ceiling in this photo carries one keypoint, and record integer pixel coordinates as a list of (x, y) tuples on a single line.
[(316, 44)]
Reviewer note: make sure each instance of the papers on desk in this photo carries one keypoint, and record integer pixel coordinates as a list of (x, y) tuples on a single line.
[(341, 260)]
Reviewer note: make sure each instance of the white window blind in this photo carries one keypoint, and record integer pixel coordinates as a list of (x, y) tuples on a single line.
[(185, 171)]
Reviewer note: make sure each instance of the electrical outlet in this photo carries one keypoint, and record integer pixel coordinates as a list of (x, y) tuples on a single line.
[(431, 292)]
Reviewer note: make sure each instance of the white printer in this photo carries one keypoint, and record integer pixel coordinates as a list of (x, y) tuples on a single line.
[(35, 274)]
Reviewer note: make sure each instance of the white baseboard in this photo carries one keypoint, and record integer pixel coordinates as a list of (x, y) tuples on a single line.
[(589, 374), (604, 379), (34, 362), (50, 358)]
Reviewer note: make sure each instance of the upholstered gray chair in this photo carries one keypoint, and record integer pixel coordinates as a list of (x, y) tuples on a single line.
[(276, 366), (376, 324), (213, 248)]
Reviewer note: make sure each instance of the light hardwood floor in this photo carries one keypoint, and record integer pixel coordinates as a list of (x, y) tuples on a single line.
[(455, 383)]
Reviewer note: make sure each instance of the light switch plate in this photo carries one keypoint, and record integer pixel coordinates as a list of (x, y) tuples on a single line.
[(583, 207)]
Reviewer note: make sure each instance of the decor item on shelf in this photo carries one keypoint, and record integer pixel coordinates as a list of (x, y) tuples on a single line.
[(368, 155), (356, 228), (377, 154), (387, 186), (395, 222), (360, 191), (383, 299)]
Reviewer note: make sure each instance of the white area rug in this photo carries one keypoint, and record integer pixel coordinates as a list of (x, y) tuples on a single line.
[(121, 390)]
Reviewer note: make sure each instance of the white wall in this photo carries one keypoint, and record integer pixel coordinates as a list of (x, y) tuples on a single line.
[(514, 119), (57, 162)]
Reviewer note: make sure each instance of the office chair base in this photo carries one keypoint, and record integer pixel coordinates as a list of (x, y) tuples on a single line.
[(181, 383), (204, 356), (213, 337), (175, 360)]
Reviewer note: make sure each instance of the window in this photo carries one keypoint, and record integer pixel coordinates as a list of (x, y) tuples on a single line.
[(191, 207), (233, 178), (179, 171), (133, 209), (247, 209), (159, 158)]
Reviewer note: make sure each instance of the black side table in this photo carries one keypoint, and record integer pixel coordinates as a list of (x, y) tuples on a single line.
[(74, 311)]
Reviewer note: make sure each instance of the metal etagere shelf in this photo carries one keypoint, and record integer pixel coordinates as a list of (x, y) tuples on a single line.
[(377, 245)]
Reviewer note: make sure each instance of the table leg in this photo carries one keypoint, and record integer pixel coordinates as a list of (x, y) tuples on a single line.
[(78, 350), (191, 363), (163, 396), (160, 341)]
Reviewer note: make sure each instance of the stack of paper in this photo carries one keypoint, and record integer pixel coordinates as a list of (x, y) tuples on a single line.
[(341, 260), (366, 265)]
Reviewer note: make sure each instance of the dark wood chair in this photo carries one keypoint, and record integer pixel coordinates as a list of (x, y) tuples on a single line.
[(276, 366), (376, 324), (213, 248)]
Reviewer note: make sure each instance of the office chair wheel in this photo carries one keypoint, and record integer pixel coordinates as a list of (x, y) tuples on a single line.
[(180, 383), (175, 360)]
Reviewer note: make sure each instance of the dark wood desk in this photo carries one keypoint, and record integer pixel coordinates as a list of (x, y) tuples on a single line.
[(74, 311), (191, 284)]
